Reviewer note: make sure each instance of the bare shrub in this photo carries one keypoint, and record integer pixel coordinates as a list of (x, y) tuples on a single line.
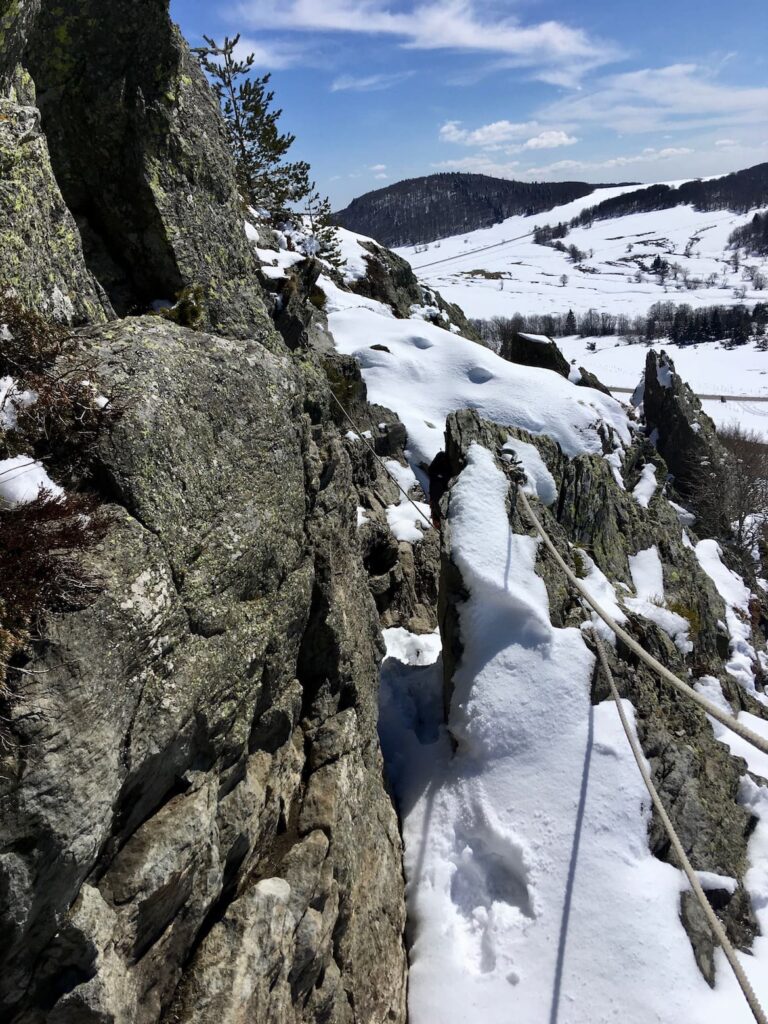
[(41, 563), (731, 498), (52, 412)]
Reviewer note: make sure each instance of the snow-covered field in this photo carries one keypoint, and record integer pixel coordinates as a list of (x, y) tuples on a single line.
[(710, 369), (531, 275), (500, 271), (532, 893)]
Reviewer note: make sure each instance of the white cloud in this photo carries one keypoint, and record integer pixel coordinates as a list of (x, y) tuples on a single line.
[(271, 56), (555, 49), (379, 168), (647, 156), (674, 98), (550, 140), (369, 83), (489, 136), (509, 136), (381, 177), (726, 143)]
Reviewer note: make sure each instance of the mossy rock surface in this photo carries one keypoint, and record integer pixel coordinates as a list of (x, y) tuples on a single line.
[(41, 254)]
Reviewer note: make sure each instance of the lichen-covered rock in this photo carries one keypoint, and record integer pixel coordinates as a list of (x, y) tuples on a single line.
[(140, 151), (194, 823), (16, 18), (41, 255)]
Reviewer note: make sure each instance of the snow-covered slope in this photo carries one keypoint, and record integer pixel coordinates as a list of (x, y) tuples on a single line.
[(424, 372), (500, 271), (533, 896)]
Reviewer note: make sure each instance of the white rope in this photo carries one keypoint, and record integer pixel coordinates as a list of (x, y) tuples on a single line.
[(381, 462), (711, 709), (712, 918)]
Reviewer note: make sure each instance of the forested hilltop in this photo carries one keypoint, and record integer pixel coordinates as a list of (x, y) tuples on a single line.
[(740, 191), (441, 205)]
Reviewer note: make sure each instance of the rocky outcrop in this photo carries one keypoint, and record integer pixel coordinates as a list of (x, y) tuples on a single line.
[(695, 775), (683, 433), (195, 826), (390, 279), (139, 150), (532, 350), (41, 254)]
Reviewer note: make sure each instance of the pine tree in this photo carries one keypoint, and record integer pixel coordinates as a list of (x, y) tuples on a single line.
[(264, 179), (570, 324), (319, 215)]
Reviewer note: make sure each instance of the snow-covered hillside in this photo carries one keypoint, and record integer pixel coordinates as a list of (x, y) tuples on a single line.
[(500, 271), (533, 895)]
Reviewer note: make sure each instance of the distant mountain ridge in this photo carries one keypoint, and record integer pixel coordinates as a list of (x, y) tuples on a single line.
[(441, 205), (740, 191)]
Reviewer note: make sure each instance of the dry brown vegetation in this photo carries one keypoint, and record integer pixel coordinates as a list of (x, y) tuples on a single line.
[(43, 542), (731, 499)]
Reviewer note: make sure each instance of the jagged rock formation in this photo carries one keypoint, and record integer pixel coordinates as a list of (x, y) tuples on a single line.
[(154, 199), (194, 820), (195, 825), (683, 433)]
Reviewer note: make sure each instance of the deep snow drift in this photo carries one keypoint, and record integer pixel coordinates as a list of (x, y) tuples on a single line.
[(533, 895)]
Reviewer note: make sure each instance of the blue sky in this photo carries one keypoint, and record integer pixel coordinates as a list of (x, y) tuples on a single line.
[(380, 90)]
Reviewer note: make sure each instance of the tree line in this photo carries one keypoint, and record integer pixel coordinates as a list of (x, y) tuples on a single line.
[(752, 237), (681, 324), (740, 191)]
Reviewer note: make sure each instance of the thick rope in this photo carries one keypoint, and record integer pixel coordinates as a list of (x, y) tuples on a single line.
[(381, 462), (711, 709), (714, 922)]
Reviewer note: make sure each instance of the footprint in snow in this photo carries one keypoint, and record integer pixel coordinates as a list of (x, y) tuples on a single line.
[(478, 375)]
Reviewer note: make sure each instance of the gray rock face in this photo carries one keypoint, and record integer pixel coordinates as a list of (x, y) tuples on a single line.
[(683, 433), (41, 255), (194, 821), (523, 349), (16, 17), (139, 149), (696, 777)]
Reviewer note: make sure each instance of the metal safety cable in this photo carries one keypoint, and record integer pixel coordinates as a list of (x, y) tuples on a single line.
[(714, 922), (381, 462), (711, 709)]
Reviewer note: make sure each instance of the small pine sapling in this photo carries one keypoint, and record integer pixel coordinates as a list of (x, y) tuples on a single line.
[(324, 233)]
